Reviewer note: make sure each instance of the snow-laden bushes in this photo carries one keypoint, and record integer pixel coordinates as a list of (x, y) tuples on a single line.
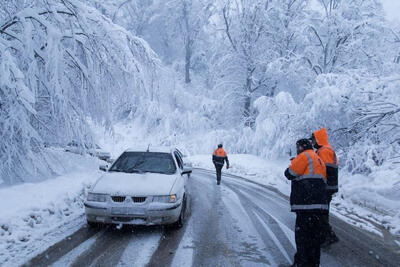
[(62, 62), (16, 106), (282, 119), (361, 115)]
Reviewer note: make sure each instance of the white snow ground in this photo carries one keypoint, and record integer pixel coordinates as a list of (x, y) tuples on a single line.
[(34, 215), (364, 201)]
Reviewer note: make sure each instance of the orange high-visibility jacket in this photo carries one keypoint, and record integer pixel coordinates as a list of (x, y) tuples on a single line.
[(308, 175), (220, 156), (308, 164), (328, 155)]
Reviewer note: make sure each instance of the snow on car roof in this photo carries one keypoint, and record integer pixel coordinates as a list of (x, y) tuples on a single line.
[(151, 149)]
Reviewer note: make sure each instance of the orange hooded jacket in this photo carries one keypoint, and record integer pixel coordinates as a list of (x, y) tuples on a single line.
[(328, 155)]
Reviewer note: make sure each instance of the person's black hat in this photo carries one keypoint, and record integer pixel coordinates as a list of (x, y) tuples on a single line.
[(219, 145), (304, 143)]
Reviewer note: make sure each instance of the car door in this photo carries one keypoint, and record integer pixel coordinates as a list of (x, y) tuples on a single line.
[(179, 162)]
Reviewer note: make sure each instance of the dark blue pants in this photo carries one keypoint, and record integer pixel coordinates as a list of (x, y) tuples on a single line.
[(329, 233), (309, 235), (218, 169)]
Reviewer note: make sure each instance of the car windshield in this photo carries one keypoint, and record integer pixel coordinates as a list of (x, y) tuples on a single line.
[(141, 162)]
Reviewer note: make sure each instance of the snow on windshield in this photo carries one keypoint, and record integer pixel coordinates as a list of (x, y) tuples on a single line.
[(140, 162)]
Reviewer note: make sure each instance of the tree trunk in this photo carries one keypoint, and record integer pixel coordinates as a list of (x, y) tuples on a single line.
[(188, 56)]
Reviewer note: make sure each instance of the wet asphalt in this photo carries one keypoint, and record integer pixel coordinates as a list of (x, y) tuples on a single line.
[(238, 223)]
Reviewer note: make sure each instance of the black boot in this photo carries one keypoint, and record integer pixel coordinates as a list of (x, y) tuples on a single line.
[(330, 239)]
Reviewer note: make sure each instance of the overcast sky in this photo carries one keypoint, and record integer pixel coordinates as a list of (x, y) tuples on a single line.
[(392, 8)]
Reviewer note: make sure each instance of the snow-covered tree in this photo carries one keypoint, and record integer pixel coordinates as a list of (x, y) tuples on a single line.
[(63, 62)]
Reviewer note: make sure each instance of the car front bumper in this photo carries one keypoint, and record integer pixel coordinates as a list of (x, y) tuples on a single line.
[(149, 214)]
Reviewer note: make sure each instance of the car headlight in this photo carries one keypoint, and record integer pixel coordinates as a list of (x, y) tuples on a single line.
[(165, 199), (96, 197)]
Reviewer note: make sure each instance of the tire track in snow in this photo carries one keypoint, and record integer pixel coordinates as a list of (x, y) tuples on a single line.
[(59, 249), (268, 228), (212, 227), (68, 258), (110, 248), (106, 251)]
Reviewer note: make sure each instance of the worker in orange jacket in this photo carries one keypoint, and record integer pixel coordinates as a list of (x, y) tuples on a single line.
[(327, 154), (308, 199), (219, 157)]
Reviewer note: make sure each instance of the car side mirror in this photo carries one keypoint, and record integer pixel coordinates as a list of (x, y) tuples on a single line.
[(186, 170), (187, 165), (103, 168)]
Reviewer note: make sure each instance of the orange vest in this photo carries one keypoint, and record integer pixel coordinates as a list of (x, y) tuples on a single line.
[(219, 152), (308, 165)]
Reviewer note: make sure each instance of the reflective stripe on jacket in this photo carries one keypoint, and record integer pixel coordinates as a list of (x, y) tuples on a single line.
[(219, 157), (328, 155), (308, 175)]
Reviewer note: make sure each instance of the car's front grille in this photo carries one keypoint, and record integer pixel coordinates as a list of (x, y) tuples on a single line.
[(138, 199), (118, 198)]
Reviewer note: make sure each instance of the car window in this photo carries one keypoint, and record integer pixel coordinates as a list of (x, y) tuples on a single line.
[(179, 160), (141, 162)]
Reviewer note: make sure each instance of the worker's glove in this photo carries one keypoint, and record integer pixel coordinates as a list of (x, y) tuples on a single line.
[(227, 166), (292, 158)]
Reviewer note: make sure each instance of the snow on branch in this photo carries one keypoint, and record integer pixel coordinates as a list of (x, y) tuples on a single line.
[(61, 63)]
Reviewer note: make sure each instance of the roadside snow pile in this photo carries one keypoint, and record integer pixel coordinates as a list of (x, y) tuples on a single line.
[(30, 213), (375, 196), (364, 201)]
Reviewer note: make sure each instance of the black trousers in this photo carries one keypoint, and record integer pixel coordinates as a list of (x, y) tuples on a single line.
[(218, 169), (309, 236), (329, 233)]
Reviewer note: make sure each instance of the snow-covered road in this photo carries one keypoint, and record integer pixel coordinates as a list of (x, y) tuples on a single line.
[(238, 223)]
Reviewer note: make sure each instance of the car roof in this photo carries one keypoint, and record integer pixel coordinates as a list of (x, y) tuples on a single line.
[(161, 149)]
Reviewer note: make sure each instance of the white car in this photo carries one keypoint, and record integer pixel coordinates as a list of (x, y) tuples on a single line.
[(142, 187), (93, 150)]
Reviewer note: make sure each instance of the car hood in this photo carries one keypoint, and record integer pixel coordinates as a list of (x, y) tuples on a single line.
[(135, 184)]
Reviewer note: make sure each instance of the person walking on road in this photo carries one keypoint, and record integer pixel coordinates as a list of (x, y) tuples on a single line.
[(219, 157), (308, 199), (327, 154)]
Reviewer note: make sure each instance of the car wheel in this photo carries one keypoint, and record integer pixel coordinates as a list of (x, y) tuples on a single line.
[(180, 222), (93, 224)]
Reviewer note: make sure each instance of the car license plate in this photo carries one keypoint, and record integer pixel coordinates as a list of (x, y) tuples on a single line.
[(136, 211), (126, 211), (119, 210)]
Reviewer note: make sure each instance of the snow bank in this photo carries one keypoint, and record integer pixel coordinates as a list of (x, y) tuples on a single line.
[(30, 213), (365, 201), (375, 196)]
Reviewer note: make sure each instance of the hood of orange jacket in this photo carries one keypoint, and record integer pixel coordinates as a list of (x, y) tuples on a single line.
[(321, 137)]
